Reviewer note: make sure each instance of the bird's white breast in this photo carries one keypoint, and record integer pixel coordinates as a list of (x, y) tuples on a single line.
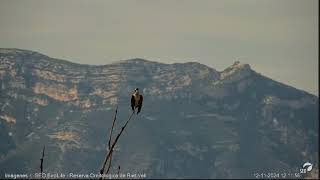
[(136, 98)]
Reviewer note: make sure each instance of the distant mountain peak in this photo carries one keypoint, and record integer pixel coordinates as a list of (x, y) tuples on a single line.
[(239, 65), (236, 71), (236, 63), (138, 61), (195, 123), (21, 53), (12, 50), (18, 51)]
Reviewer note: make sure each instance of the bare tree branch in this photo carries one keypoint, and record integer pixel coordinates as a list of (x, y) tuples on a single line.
[(41, 162), (110, 138), (114, 143), (118, 171)]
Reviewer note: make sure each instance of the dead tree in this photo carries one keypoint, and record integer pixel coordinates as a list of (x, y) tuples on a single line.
[(109, 155)]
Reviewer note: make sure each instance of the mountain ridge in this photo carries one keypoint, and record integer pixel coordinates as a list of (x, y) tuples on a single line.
[(193, 124), (134, 60)]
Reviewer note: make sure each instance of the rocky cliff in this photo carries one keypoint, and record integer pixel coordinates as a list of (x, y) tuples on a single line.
[(196, 122)]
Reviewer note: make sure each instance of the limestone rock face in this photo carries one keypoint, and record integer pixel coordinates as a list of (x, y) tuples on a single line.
[(196, 122)]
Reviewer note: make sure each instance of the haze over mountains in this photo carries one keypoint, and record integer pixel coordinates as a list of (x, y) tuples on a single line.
[(196, 122)]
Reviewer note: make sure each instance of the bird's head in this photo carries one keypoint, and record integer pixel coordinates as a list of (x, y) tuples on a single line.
[(136, 91)]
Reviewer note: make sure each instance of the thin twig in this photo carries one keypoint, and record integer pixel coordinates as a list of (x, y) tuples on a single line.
[(114, 120), (118, 171), (114, 143), (110, 138), (41, 162), (110, 160)]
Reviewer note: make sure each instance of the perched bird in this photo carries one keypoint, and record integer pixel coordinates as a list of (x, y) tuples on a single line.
[(136, 100)]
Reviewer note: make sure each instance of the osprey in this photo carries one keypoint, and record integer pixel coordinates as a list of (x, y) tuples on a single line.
[(136, 100)]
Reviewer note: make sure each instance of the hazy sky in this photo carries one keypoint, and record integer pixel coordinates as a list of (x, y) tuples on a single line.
[(278, 38)]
